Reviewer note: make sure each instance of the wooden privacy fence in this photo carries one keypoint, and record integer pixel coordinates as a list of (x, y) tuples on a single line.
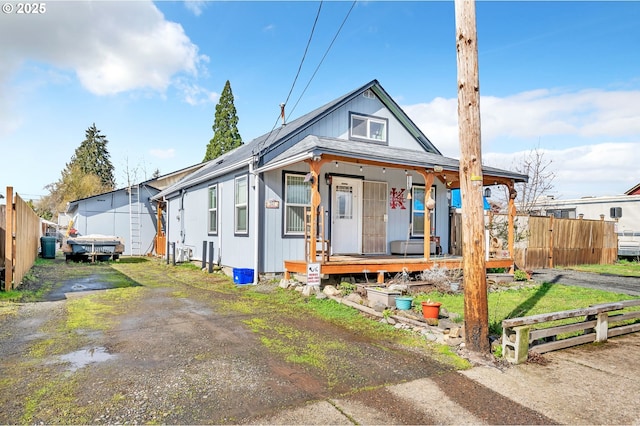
[(21, 239), (565, 242), (520, 335)]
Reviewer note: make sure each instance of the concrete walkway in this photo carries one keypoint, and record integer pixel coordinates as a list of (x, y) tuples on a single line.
[(590, 384)]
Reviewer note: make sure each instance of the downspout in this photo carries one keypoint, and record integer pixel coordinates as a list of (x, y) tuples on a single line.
[(182, 230), (166, 224), (256, 220)]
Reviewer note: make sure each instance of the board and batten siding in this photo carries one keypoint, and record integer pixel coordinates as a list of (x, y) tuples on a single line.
[(277, 248), (188, 227)]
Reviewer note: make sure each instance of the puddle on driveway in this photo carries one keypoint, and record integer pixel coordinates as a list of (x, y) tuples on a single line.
[(91, 283), (84, 357)]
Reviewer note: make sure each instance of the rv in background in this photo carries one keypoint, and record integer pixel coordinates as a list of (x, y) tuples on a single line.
[(623, 209)]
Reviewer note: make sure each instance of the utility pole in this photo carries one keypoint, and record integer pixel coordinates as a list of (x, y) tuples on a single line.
[(476, 312)]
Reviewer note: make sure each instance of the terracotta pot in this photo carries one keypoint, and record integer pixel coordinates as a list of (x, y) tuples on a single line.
[(431, 310)]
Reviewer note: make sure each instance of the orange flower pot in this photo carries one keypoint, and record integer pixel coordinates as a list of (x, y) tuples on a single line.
[(431, 310)]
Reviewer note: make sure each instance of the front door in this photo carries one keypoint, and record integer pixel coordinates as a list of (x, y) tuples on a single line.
[(346, 214)]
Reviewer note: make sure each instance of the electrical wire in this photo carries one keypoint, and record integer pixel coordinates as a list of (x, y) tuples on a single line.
[(324, 56), (304, 55), (314, 72), (306, 49)]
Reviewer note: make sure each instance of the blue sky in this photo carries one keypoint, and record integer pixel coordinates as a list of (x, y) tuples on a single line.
[(563, 77)]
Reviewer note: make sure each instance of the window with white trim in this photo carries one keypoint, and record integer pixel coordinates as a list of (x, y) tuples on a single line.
[(213, 209), (297, 197), (370, 128), (418, 210), (241, 205)]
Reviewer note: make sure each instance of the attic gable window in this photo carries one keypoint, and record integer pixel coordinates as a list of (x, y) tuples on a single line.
[(368, 128)]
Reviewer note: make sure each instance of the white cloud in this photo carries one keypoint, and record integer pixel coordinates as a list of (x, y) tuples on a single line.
[(163, 153), (194, 94), (112, 47), (592, 137), (195, 6)]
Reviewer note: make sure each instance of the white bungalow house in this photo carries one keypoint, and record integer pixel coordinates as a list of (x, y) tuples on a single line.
[(353, 185)]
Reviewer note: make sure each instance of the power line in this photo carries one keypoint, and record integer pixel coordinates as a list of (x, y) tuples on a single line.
[(314, 72), (324, 56), (313, 28), (305, 52)]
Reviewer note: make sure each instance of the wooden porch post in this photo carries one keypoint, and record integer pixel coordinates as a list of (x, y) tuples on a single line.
[(428, 182), (511, 217), (314, 167), (8, 240)]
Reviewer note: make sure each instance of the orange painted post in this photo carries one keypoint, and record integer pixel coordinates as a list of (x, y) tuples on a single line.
[(511, 230), (428, 182)]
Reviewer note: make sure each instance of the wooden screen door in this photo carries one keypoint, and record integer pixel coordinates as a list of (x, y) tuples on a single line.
[(346, 206), (374, 217)]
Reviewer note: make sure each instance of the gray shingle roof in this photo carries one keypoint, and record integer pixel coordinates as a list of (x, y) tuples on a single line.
[(271, 147)]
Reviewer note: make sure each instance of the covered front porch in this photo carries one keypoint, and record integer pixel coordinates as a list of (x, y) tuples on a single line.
[(319, 249)]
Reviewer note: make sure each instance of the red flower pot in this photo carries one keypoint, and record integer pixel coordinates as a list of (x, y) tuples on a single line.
[(431, 310)]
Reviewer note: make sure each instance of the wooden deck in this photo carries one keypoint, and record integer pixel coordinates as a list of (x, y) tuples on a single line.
[(382, 264)]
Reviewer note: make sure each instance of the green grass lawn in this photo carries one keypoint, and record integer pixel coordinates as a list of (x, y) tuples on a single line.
[(543, 298), (622, 267)]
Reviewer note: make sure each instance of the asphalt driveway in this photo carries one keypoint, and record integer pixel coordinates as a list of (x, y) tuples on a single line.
[(606, 282)]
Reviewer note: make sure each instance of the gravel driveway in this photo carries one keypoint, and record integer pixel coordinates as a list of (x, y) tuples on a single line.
[(185, 347)]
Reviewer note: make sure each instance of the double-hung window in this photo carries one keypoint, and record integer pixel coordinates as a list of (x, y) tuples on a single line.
[(297, 198), (213, 209), (418, 211), (241, 205), (368, 128)]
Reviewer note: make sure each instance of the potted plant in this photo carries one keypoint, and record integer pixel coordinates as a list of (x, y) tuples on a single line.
[(431, 310)]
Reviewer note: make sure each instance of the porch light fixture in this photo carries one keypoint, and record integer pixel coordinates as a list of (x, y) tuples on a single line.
[(336, 164), (384, 170), (487, 193), (309, 178), (327, 179), (360, 168)]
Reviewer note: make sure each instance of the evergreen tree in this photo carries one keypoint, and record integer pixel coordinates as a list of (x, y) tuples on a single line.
[(225, 126), (89, 172), (93, 157)]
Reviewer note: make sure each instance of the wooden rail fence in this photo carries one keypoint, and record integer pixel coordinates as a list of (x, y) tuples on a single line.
[(519, 336), (21, 239)]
